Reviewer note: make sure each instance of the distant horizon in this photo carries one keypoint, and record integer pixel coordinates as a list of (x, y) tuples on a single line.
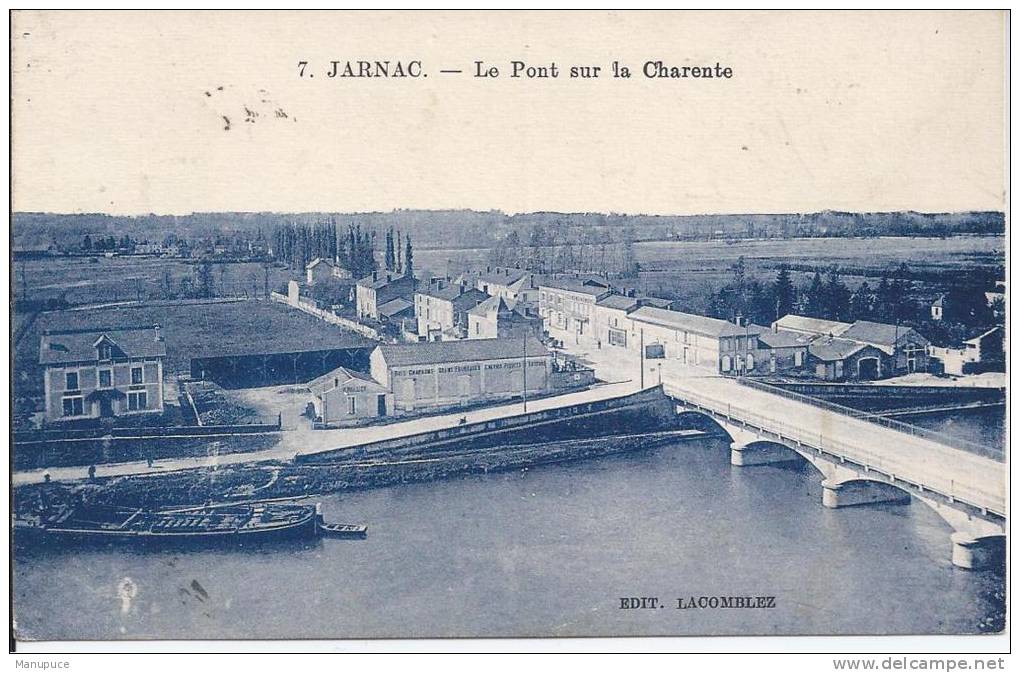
[(506, 212)]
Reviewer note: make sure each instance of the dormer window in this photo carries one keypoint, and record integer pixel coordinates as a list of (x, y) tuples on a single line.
[(105, 352)]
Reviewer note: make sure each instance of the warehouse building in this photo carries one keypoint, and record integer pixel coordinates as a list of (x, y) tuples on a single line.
[(450, 373)]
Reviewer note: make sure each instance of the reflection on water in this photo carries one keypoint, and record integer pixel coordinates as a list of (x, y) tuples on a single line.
[(984, 426), (547, 551)]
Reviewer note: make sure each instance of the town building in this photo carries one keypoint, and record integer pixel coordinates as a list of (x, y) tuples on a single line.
[(838, 359), (982, 353), (694, 340), (613, 327), (347, 397), (102, 372), (320, 269), (499, 318), (511, 284), (379, 288), (904, 349), (568, 307), (784, 351), (441, 309), (938, 307), (437, 374)]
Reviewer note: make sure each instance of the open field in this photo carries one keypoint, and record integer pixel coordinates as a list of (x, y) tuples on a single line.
[(704, 257), (90, 280), (191, 329)]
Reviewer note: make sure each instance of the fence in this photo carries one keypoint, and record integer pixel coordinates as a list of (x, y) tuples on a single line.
[(328, 316)]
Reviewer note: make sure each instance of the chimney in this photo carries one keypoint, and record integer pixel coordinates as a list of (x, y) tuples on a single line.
[(775, 327), (156, 330)]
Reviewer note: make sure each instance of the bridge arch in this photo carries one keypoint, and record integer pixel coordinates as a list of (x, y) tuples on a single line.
[(857, 490)]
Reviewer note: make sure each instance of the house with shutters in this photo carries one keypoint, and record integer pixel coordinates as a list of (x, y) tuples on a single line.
[(102, 372)]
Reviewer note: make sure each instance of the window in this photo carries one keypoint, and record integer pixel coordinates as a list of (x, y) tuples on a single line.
[(726, 363), (136, 375), (750, 362), (137, 401), (71, 379), (74, 406), (105, 352), (105, 378), (617, 337), (798, 358), (352, 405)]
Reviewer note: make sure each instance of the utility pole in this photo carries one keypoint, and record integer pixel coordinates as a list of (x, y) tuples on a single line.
[(524, 392), (642, 358)]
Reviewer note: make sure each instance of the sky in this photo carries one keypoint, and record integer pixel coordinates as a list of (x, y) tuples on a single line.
[(128, 113)]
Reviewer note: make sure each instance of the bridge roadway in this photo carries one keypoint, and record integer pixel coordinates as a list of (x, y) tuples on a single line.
[(957, 475)]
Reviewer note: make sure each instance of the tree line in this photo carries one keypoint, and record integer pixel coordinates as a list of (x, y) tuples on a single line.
[(557, 249), (828, 297)]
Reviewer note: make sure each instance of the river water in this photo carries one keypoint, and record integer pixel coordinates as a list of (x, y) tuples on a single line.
[(542, 552)]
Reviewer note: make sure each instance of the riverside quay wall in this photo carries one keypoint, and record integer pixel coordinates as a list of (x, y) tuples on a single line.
[(646, 411), (619, 425)]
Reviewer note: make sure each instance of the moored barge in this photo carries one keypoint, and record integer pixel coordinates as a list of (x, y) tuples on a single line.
[(220, 523)]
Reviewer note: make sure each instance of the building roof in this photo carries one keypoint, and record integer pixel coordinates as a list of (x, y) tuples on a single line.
[(464, 350), (317, 261), (984, 335), (831, 349), (380, 279), (618, 301), (802, 323), (462, 298), (507, 308), (940, 301), (689, 322), (340, 375), (503, 276), (590, 287), (65, 347), (877, 333), (657, 302), (783, 338), (394, 306)]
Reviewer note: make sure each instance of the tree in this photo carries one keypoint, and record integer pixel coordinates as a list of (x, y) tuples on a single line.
[(390, 256), (862, 303), (783, 293), (408, 257), (836, 296), (87, 243), (815, 297), (204, 279)]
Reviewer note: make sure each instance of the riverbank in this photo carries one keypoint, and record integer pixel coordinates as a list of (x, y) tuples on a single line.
[(615, 425)]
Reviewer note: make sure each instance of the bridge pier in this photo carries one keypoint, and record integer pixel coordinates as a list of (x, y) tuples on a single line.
[(761, 453), (861, 492), (977, 553)]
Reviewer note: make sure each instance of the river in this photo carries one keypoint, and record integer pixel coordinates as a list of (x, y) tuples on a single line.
[(542, 552)]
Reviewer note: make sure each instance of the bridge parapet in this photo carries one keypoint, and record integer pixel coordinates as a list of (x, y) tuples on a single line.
[(976, 491)]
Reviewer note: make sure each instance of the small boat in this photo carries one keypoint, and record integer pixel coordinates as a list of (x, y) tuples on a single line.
[(347, 531), (214, 523)]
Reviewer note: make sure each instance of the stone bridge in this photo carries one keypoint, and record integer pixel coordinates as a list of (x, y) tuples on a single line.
[(861, 462)]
